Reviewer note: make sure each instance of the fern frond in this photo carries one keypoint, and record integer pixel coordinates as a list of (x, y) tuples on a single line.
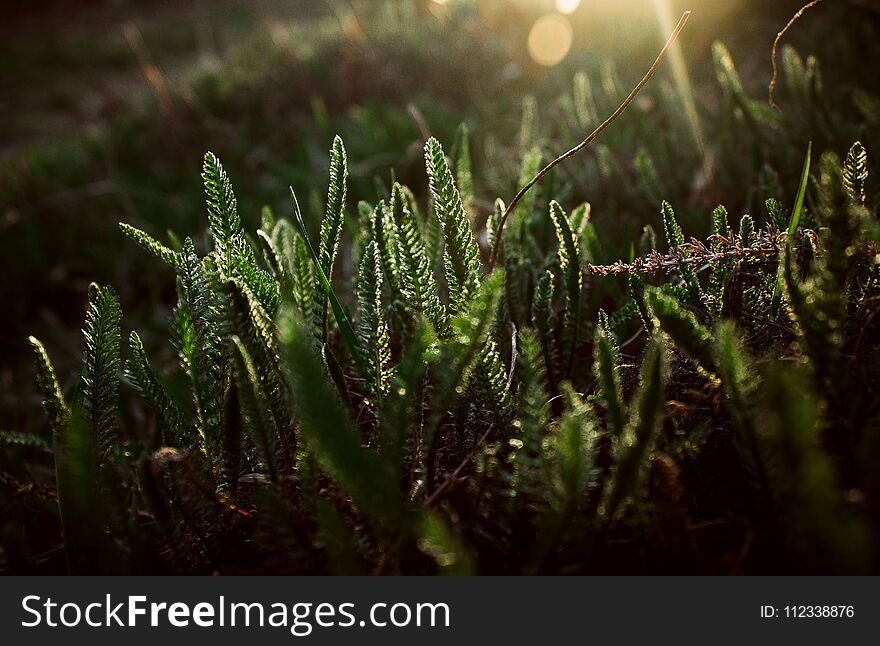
[(746, 229), (648, 172), (683, 328), (675, 239), (264, 286), (817, 526), (720, 269), (383, 232), (462, 162), (492, 222), (458, 354), (606, 360), (543, 321), (638, 436), (855, 172), (254, 406), (522, 214), (298, 267), (256, 332), (584, 101), (636, 288), (328, 431), (223, 218), (53, 400), (100, 385), (528, 122), (331, 225), (272, 259), (533, 418), (417, 280), (372, 329), (169, 417), (648, 240), (339, 313), (573, 447), (150, 244), (489, 379), (196, 336), (674, 236), (570, 266), (402, 417), (461, 255), (17, 439)]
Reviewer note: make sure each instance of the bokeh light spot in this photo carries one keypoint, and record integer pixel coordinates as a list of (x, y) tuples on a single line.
[(550, 39), (567, 6)]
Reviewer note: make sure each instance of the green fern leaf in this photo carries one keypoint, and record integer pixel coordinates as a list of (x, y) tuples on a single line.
[(53, 400), (855, 172), (295, 257), (150, 244), (720, 268), (373, 331), (746, 229), (383, 231), (533, 418), (418, 284), (331, 225), (100, 385), (254, 406), (606, 359), (461, 252), (339, 314), (636, 285), (675, 238), (223, 218), (570, 265), (543, 322), (458, 354), (573, 454), (462, 159), (29, 440), (169, 418), (196, 336), (254, 328), (683, 327), (632, 450), (521, 216)]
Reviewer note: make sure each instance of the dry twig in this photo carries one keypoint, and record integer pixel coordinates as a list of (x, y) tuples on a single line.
[(794, 19), (586, 142)]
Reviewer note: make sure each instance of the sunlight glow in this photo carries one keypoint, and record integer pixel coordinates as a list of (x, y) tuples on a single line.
[(682, 81), (550, 39), (567, 6)]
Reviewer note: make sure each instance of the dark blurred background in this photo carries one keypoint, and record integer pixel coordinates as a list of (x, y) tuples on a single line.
[(107, 106)]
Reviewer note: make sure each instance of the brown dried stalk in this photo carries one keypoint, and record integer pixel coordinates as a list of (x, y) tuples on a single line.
[(764, 246), (586, 142), (794, 19)]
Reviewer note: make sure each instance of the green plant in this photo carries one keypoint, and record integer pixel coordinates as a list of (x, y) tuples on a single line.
[(441, 431)]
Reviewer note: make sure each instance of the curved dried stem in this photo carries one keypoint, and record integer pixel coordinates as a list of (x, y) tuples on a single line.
[(794, 18), (586, 142)]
